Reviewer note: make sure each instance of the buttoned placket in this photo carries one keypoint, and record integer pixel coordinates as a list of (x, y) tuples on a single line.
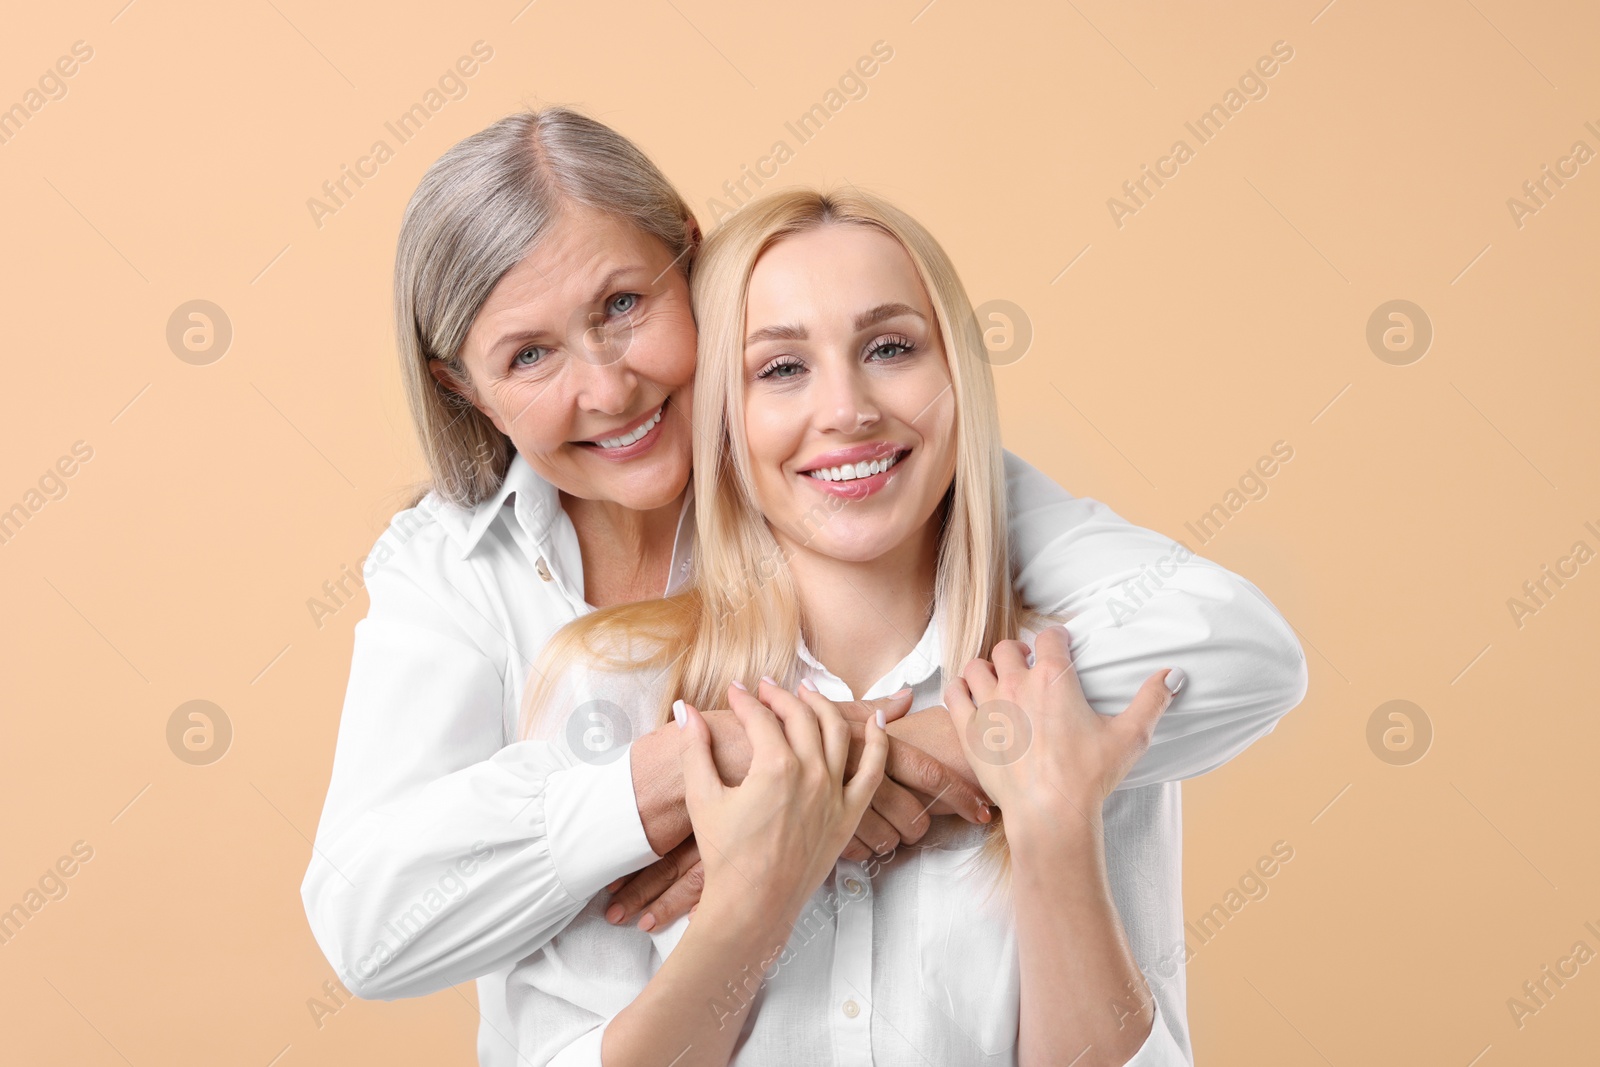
[(851, 982)]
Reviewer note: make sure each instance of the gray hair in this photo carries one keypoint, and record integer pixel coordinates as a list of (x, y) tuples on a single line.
[(477, 213)]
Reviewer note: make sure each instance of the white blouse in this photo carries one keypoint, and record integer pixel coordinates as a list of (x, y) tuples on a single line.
[(448, 850), (907, 960)]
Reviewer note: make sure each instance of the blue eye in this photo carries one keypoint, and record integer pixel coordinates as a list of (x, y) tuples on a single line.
[(780, 368), (623, 303), (890, 347), (529, 356)]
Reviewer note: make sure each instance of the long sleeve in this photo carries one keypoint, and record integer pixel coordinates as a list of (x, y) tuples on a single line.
[(1136, 601), (442, 853)]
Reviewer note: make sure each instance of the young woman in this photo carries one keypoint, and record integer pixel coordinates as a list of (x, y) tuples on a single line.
[(542, 312), (851, 524)]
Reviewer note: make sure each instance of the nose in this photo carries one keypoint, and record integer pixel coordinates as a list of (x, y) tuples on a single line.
[(844, 398), (605, 387)]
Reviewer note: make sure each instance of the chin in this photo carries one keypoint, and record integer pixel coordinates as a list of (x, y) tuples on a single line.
[(649, 489)]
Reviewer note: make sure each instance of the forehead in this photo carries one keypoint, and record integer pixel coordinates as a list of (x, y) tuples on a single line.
[(581, 247), (833, 266)]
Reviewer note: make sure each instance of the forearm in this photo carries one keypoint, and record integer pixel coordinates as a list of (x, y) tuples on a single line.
[(691, 1012), (1082, 994)]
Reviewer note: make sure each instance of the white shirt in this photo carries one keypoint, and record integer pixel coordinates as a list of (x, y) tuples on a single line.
[(448, 851), (900, 962)]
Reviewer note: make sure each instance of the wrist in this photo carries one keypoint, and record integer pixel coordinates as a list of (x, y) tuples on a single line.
[(657, 765), (747, 919), (1075, 829)]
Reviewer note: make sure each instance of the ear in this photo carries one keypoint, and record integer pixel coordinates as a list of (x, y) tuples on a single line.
[(451, 384)]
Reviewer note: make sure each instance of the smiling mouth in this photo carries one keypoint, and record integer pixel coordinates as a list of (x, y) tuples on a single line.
[(631, 436), (849, 472)]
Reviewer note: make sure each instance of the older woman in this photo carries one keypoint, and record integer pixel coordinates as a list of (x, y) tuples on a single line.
[(547, 347)]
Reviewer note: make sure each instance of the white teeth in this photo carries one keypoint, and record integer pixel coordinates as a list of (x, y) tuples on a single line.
[(850, 472), (629, 438)]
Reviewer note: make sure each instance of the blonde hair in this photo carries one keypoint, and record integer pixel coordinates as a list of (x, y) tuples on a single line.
[(477, 213), (741, 616)]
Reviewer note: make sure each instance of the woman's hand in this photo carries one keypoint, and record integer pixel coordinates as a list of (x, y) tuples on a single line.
[(768, 843), (926, 773), (1038, 748)]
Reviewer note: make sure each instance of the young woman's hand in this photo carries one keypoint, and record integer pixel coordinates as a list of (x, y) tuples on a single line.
[(926, 773), (1040, 751), (768, 843)]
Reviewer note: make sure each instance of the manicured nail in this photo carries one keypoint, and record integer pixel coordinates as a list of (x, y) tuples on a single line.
[(903, 693), (769, 679), (1175, 679), (984, 814), (881, 724), (1030, 659), (678, 714), (614, 913), (739, 686), (647, 923), (809, 684)]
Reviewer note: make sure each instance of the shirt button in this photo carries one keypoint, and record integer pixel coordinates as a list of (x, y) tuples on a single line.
[(851, 1008), (852, 885)]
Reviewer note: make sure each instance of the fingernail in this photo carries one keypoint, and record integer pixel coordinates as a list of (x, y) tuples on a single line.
[(1030, 659), (809, 684), (881, 724), (614, 913), (1175, 679), (678, 714), (984, 814), (647, 923), (903, 693), (769, 679), (739, 686)]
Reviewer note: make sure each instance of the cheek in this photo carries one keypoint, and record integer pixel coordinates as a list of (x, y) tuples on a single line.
[(537, 414), (664, 348)]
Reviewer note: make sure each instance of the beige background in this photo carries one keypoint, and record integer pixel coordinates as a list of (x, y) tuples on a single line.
[(1228, 313)]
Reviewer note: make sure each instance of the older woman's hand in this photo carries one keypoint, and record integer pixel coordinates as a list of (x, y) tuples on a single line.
[(768, 843), (1040, 751)]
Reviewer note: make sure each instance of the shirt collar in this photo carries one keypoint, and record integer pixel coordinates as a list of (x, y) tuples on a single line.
[(918, 665), (535, 502)]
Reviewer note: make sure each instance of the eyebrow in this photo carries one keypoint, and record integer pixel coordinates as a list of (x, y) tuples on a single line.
[(863, 321)]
